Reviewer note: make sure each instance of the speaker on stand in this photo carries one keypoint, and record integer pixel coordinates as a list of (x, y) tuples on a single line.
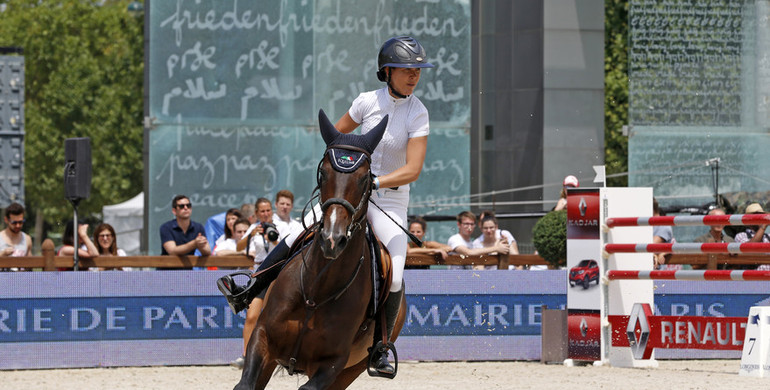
[(77, 179)]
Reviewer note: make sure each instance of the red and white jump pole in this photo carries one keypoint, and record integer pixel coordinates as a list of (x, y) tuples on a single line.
[(712, 247), (690, 220), (747, 275), (752, 364)]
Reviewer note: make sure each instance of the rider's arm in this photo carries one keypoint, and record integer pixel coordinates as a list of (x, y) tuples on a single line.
[(409, 172), (346, 124)]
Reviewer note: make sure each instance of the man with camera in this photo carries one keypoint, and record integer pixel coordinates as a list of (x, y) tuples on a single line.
[(259, 240)]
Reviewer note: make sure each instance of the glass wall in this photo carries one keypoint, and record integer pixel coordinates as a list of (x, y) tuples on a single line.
[(699, 84), (235, 89)]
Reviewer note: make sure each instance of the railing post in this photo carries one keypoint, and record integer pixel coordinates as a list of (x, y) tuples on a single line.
[(712, 261), (502, 261), (48, 250)]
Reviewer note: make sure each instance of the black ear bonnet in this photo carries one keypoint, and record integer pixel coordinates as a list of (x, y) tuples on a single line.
[(347, 151)]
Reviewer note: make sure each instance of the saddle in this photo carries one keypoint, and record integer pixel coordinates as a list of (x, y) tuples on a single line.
[(382, 267)]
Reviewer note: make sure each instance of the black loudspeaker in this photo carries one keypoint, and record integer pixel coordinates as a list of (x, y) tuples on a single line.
[(77, 168)]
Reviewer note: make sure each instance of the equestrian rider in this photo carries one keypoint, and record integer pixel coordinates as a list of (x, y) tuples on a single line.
[(396, 162)]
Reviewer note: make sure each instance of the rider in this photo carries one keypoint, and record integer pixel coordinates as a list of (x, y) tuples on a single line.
[(396, 162)]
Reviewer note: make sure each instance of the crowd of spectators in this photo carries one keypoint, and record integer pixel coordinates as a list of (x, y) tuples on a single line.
[(254, 229)]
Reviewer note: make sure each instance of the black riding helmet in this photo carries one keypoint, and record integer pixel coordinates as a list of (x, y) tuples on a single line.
[(400, 52)]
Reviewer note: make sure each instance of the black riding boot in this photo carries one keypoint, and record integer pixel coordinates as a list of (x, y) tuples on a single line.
[(239, 297), (391, 307)]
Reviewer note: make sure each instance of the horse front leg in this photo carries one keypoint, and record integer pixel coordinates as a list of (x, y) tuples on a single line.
[(326, 374), (258, 367)]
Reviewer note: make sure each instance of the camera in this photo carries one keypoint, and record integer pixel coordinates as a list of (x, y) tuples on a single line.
[(270, 231)]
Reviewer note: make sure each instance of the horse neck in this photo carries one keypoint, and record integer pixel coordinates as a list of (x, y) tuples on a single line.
[(337, 271)]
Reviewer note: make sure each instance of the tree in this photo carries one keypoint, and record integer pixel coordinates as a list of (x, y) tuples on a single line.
[(83, 78), (616, 89)]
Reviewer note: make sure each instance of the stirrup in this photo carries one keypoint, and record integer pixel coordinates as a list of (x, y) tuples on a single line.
[(237, 296), (376, 353)]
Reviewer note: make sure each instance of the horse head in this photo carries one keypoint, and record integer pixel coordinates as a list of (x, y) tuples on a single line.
[(345, 182)]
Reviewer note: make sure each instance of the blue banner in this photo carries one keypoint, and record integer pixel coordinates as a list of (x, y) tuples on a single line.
[(112, 318)]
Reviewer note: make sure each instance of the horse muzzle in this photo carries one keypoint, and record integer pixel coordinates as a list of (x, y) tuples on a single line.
[(332, 245)]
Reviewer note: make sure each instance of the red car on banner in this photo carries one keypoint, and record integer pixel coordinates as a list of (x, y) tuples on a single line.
[(584, 273)]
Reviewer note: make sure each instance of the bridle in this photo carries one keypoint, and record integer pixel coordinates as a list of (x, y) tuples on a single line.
[(357, 214)]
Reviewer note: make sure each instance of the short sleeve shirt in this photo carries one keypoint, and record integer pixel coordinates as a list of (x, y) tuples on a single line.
[(479, 241), (407, 118), (664, 232), (458, 240), (170, 231)]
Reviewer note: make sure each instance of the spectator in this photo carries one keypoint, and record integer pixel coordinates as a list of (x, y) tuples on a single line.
[(491, 235), (181, 235), (107, 244), (499, 232), (231, 215), (569, 182), (716, 233), (13, 241), (660, 235), (756, 233), (248, 212), (284, 203), (461, 242), (418, 227), (256, 240), (86, 247), (217, 225), (228, 246)]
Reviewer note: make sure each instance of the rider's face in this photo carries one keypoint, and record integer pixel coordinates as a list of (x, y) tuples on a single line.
[(405, 80)]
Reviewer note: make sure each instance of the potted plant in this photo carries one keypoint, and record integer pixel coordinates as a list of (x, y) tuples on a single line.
[(550, 238)]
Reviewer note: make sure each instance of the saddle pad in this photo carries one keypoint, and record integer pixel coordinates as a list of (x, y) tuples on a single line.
[(344, 160)]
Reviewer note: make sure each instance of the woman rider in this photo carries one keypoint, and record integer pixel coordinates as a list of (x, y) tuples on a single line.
[(396, 162)]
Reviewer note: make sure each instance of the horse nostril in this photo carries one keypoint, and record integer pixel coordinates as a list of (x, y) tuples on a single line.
[(343, 240)]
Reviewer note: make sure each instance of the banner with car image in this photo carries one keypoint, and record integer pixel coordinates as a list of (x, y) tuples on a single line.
[(583, 273)]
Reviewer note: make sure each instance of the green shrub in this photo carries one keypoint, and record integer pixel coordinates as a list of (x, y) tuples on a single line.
[(550, 238)]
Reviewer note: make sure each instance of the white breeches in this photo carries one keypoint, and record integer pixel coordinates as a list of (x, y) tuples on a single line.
[(395, 204)]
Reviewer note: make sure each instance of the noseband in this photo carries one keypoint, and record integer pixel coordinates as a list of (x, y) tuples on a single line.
[(347, 163)]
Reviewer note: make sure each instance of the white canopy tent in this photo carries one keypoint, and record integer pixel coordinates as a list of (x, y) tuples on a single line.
[(128, 220)]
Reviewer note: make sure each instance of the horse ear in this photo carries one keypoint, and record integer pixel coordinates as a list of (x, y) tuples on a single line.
[(373, 137), (328, 131)]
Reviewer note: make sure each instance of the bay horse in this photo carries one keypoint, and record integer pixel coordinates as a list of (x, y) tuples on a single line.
[(316, 317)]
